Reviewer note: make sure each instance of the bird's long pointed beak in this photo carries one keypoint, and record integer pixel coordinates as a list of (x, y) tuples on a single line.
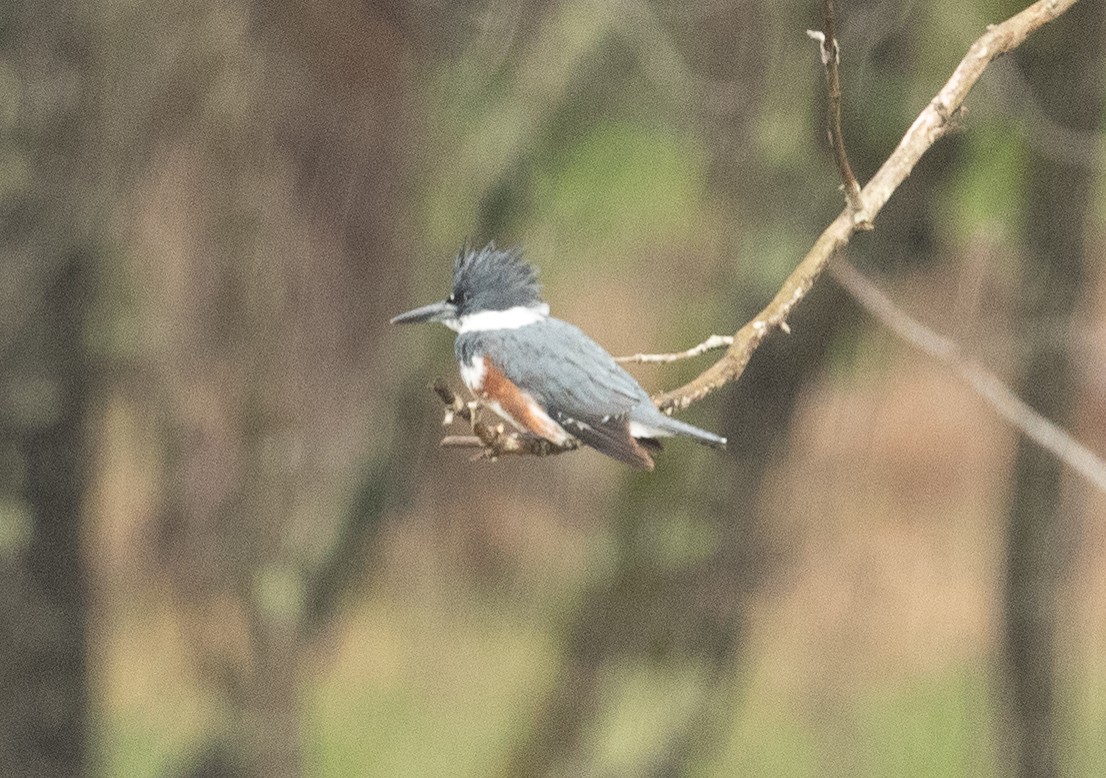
[(434, 312)]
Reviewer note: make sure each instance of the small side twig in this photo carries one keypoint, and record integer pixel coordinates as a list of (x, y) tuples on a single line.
[(711, 343), (831, 59), (987, 385), (455, 407)]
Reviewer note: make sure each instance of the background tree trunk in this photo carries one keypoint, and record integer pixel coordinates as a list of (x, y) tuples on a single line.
[(46, 383), (1063, 67)]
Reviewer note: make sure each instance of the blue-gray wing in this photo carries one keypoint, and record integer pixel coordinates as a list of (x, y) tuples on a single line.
[(575, 380), (566, 370)]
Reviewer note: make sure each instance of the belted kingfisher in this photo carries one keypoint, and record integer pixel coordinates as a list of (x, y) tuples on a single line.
[(543, 375)]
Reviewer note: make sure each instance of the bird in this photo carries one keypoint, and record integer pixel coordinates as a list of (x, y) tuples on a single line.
[(542, 375)]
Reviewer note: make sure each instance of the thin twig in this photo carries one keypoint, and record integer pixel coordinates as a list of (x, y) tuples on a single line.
[(831, 59), (495, 441), (710, 344), (985, 383), (931, 124), (455, 407)]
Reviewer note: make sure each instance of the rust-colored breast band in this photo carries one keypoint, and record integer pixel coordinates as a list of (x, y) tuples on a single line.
[(518, 405)]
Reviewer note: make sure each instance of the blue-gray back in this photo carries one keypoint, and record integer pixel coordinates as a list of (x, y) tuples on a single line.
[(560, 366)]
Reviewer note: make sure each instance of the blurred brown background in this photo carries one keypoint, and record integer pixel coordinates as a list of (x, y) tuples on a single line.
[(229, 544)]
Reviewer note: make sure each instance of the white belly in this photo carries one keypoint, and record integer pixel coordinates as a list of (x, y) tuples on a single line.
[(473, 373)]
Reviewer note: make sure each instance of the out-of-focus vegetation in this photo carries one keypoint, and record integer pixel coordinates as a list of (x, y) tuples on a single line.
[(230, 546)]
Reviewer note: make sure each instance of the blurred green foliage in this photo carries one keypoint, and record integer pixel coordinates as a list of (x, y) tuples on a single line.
[(269, 508)]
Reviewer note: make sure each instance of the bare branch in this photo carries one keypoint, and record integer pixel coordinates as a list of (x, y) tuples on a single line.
[(455, 407), (498, 441), (493, 440), (831, 58), (710, 344), (986, 384), (931, 124)]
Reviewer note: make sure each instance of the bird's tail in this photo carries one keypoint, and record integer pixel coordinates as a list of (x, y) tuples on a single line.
[(662, 426)]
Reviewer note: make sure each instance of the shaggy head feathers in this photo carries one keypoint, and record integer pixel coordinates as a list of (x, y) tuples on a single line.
[(491, 279)]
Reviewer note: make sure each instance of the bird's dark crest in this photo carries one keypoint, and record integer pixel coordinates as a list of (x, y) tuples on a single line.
[(492, 279)]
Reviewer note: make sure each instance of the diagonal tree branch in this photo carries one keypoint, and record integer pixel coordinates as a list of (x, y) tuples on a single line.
[(998, 395), (931, 124)]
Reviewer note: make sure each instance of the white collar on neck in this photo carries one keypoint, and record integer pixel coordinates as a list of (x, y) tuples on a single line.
[(510, 319)]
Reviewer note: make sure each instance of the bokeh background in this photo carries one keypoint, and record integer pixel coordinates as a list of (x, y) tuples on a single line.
[(229, 543)]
